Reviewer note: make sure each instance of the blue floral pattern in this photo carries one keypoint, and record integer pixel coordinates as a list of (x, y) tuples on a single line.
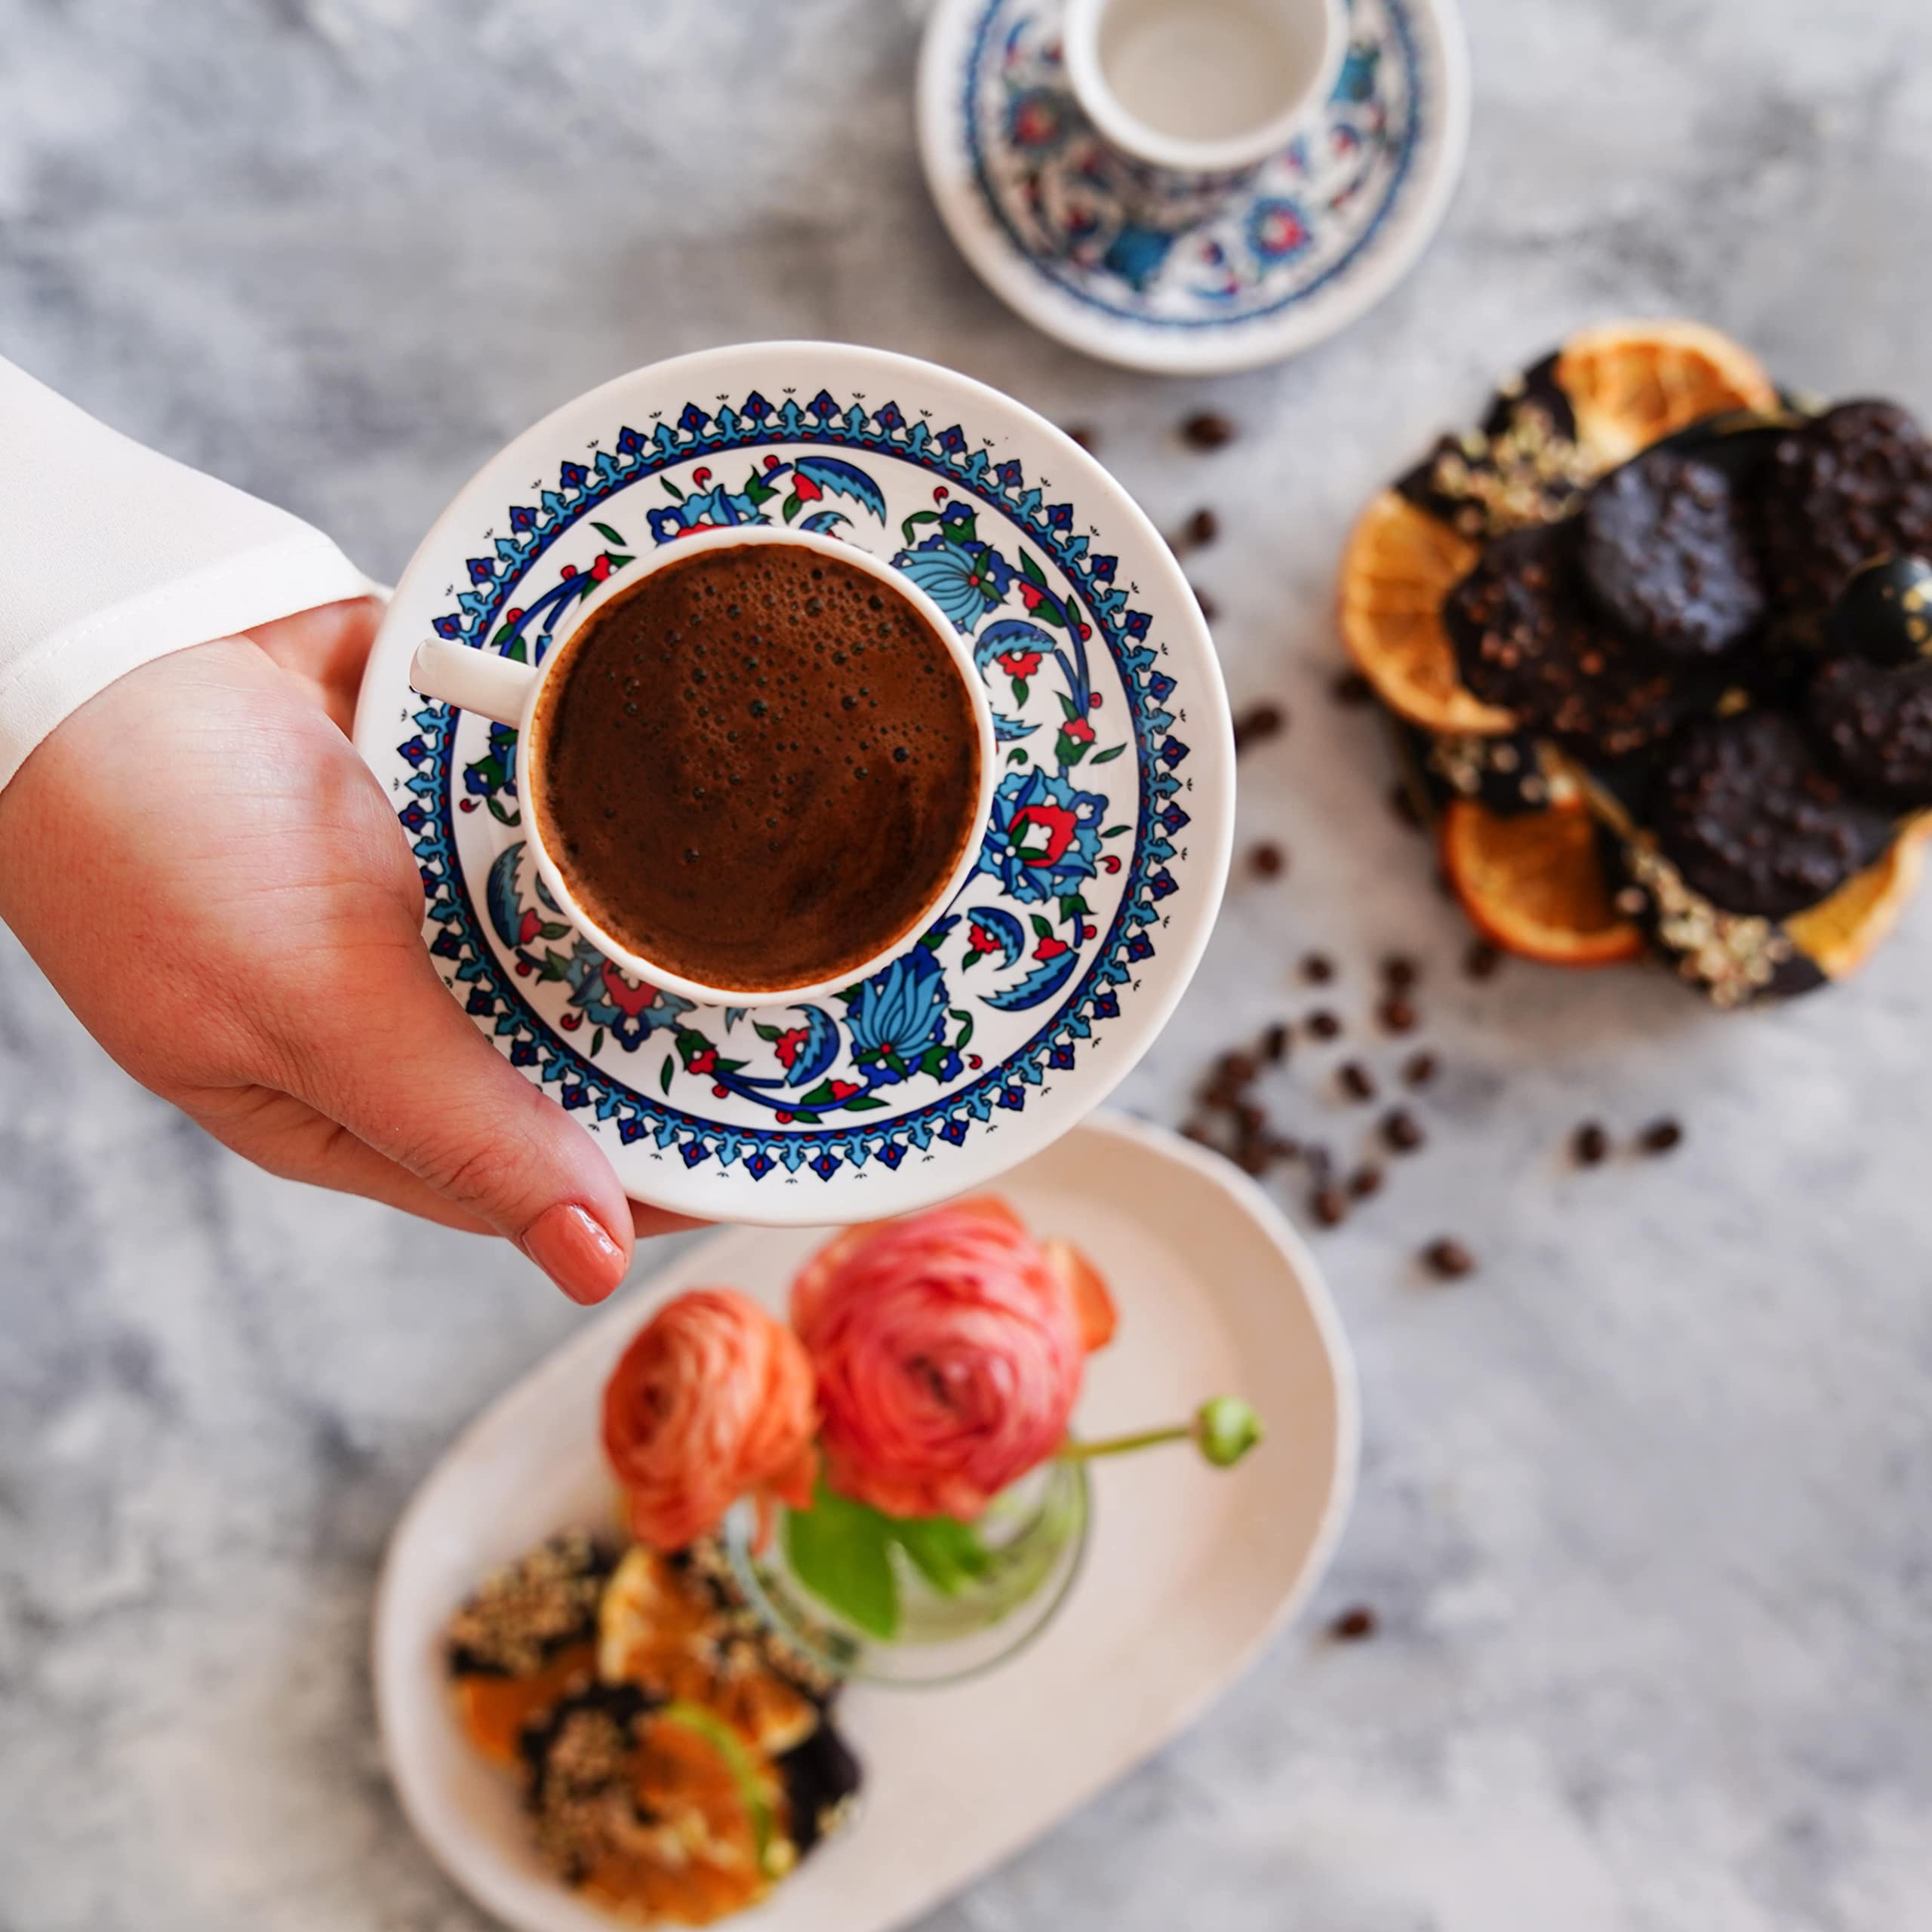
[(1066, 897)]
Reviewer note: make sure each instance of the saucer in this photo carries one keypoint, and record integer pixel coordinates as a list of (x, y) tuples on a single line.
[(1045, 211), (1107, 842), (1189, 1572)]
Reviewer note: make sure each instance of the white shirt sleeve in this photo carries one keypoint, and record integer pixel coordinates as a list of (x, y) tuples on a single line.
[(114, 555)]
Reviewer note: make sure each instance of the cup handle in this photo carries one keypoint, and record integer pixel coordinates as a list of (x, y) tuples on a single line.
[(471, 680)]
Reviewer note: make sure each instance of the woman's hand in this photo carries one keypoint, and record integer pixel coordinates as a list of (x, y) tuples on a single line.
[(206, 819)]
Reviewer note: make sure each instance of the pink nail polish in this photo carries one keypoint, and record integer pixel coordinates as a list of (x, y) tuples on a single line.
[(575, 1250)]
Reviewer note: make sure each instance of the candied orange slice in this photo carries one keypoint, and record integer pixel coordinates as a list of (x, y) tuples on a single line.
[(1631, 383), (1400, 564), (493, 1711), (1533, 883), (1841, 933)]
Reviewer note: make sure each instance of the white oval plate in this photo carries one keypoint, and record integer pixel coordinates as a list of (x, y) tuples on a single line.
[(1040, 207), (1105, 850), (1189, 1572)]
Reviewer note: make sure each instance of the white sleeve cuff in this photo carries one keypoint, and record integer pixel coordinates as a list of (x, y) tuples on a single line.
[(115, 555)]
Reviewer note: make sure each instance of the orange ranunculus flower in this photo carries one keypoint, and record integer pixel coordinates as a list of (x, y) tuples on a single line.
[(949, 1349), (713, 1400)]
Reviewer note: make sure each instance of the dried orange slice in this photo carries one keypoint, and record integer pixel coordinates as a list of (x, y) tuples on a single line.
[(1400, 564), (1840, 934), (1631, 383), (1533, 883)]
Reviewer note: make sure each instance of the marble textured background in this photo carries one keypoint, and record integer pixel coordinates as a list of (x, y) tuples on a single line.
[(1647, 1506)]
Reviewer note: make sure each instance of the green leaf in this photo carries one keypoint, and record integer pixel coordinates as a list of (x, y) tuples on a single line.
[(1070, 751), (1072, 906), (821, 1096), (863, 1103), (1111, 751), (1020, 689), (1042, 926), (502, 815), (840, 1550), (949, 1555), (758, 489), (811, 1120), (609, 535), (664, 1074), (671, 490), (913, 522), (791, 506), (1016, 758), (1067, 705), (764, 1031), (971, 960), (1114, 831), (597, 1041), (617, 562), (1033, 572)]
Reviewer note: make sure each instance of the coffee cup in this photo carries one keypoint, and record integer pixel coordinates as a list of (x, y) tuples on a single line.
[(921, 878), (1194, 95)]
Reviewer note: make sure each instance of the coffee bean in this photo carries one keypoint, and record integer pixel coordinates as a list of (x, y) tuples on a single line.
[(1275, 1044), (1364, 1181), (1481, 960), (1322, 1024), (1267, 860), (1418, 1069), (1328, 1207), (1208, 429), (1352, 689), (1660, 1136), (1401, 802), (1203, 526), (1397, 1016), (1258, 723), (1356, 1081), (1589, 1144), (1252, 1160), (1210, 609), (1399, 972), (1085, 435), (1237, 1068), (1354, 1625), (1198, 1134), (1320, 1163), (1402, 1130), (1448, 1259), (1317, 968), (1284, 1146), (1249, 1117)]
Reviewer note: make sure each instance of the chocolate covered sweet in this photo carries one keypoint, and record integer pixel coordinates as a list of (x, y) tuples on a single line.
[(1873, 723)]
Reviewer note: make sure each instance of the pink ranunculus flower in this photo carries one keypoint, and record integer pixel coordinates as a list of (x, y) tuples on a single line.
[(712, 1401), (949, 1349)]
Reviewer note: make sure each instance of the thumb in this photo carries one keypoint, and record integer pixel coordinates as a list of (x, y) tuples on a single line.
[(396, 1061)]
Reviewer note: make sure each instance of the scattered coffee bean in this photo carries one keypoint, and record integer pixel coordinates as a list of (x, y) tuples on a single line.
[(1283, 1147), (1660, 1136), (1319, 1162), (1364, 1181), (1401, 802), (1203, 526), (1352, 689), (1356, 1081), (1481, 960), (1209, 429), (1239, 1068), (1448, 1259), (1399, 972), (1418, 1069), (1402, 1130), (1085, 435), (1249, 1117), (1258, 723), (1210, 609), (1198, 1134), (1267, 860), (1328, 1207), (1322, 1024), (1397, 1016), (1252, 1158), (1317, 968), (1589, 1144), (1354, 1625), (1275, 1044)]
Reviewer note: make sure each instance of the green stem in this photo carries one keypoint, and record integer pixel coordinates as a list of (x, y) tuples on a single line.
[(1125, 1445)]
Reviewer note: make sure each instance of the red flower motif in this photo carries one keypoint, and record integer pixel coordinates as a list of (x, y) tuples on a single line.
[(568, 570), (979, 939), (702, 1063), (513, 617), (844, 1090), (1018, 663), (1093, 701), (532, 926), (1049, 948), (1079, 730), (789, 1045), (601, 569), (1055, 821), (628, 999)]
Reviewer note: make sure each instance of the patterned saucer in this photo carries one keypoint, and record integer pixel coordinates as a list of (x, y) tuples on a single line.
[(1109, 836), (1046, 212)]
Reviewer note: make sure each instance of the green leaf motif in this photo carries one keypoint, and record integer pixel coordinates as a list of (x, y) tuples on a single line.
[(597, 1041), (671, 490), (791, 506), (840, 1551), (664, 1074), (1034, 573), (1042, 926), (609, 535), (764, 1031), (1021, 690), (1112, 751)]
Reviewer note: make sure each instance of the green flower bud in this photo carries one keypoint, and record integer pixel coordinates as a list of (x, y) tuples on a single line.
[(1226, 1428)]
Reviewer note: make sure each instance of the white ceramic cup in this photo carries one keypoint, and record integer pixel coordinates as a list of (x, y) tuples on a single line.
[(1203, 91), (497, 687)]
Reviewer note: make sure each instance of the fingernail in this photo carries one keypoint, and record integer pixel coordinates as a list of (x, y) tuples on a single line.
[(571, 1247)]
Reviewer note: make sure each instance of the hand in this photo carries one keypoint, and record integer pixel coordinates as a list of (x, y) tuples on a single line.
[(206, 819)]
